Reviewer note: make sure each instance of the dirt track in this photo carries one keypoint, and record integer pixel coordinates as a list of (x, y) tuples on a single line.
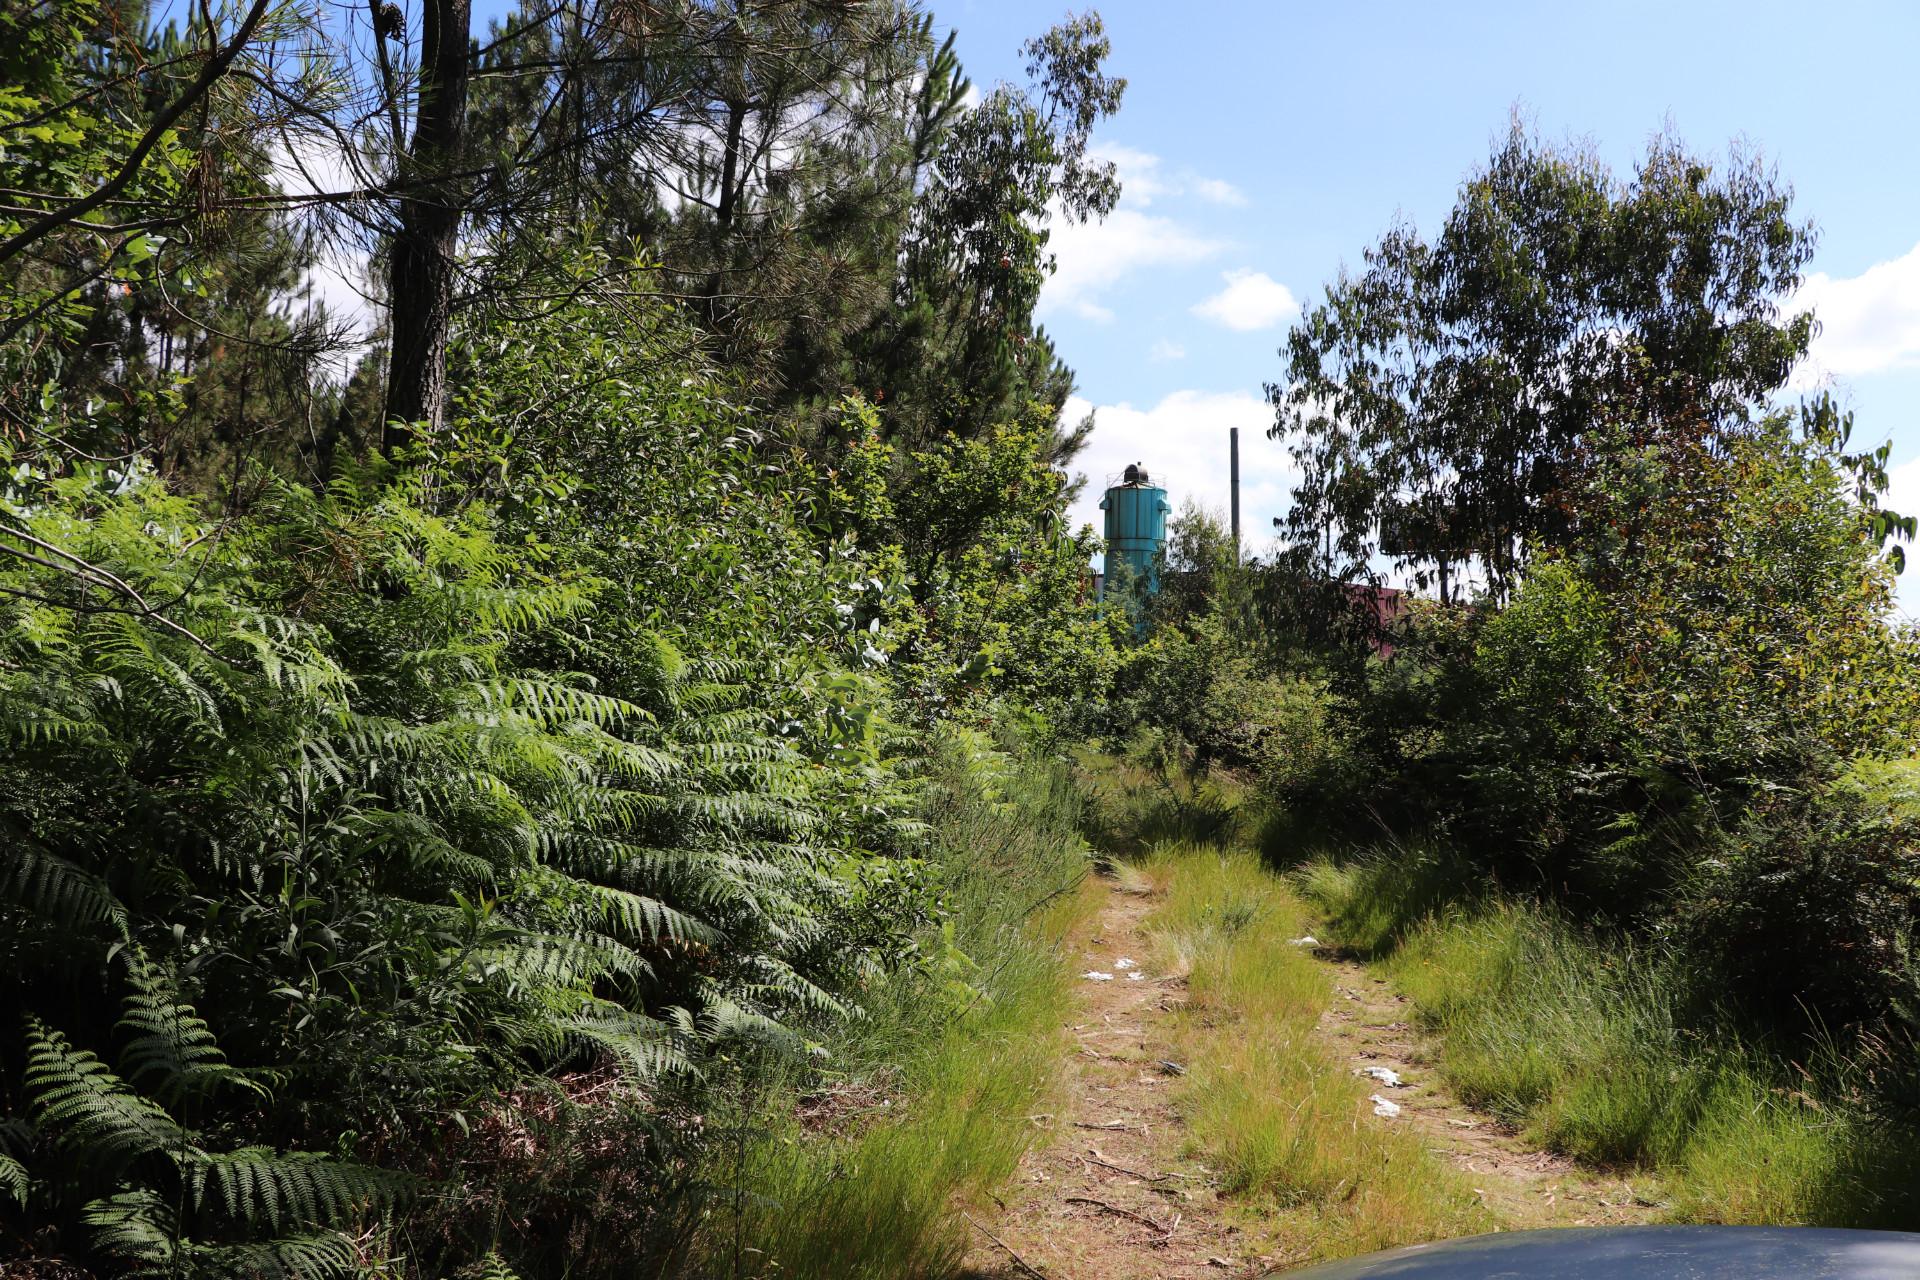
[(1110, 1190)]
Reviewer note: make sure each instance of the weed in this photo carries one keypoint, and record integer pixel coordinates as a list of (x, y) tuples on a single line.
[(962, 1049)]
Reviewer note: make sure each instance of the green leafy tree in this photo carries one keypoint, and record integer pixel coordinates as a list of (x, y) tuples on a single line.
[(960, 352), (1444, 398)]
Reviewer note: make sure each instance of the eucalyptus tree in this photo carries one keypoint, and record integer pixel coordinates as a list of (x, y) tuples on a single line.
[(1442, 398)]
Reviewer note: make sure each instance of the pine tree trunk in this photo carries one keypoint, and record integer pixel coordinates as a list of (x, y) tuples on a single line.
[(422, 270)]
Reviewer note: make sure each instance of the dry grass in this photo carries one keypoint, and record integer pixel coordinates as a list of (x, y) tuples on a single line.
[(1283, 1124)]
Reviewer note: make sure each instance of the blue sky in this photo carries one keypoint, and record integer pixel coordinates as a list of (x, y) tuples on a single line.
[(1266, 144)]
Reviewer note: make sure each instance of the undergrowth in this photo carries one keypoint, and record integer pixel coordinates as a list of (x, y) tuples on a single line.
[(924, 1103), (1619, 1056)]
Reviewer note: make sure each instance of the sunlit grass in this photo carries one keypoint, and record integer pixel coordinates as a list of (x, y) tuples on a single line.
[(1271, 1110), (965, 1048), (884, 1204), (1612, 1055)]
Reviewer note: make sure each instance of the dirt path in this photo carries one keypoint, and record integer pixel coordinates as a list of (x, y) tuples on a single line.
[(1109, 1195), (1111, 1192), (1368, 1025)]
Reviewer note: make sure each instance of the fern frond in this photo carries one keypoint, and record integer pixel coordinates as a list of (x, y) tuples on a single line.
[(35, 728), (59, 892), (640, 916), (136, 1227), (646, 1047), (14, 1180), (89, 1108), (256, 1187), (420, 847), (319, 1256), (723, 1019), (546, 960), (172, 1050), (492, 1267), (548, 702)]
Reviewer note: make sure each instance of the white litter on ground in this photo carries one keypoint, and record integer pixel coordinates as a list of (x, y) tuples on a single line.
[(1094, 975), (1124, 963), (1386, 1076), (1308, 941), (1382, 1107), (1135, 976)]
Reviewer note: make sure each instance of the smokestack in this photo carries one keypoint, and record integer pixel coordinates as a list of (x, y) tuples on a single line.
[(1234, 480)]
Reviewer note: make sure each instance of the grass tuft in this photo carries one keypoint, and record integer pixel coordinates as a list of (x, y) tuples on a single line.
[(964, 1046)]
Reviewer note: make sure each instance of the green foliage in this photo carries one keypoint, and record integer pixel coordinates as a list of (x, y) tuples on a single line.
[(412, 858), (442, 867), (1444, 396), (960, 353), (1650, 731), (1001, 600), (926, 1103)]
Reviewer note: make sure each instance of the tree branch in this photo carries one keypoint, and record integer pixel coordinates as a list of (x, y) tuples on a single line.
[(216, 67)]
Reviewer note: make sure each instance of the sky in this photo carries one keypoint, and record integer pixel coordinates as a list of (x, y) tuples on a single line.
[(1263, 145)]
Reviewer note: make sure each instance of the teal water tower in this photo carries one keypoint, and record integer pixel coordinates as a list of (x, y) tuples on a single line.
[(1136, 526)]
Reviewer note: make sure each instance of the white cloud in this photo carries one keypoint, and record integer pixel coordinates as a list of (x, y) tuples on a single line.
[(1183, 441), (1217, 191), (1164, 350), (1869, 322), (1252, 300), (1144, 178), (1093, 256), (1141, 179)]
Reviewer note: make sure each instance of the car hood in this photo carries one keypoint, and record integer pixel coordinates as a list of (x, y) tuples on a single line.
[(1643, 1253)]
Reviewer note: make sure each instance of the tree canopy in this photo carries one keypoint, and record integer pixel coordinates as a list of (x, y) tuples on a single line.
[(1440, 401)]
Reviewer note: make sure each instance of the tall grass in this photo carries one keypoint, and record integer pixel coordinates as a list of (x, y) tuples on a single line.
[(1134, 802), (953, 1055), (1618, 1056), (1270, 1108)]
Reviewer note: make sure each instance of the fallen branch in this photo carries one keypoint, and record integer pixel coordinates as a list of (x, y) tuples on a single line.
[(1131, 1173), (1018, 1261), (1124, 1213)]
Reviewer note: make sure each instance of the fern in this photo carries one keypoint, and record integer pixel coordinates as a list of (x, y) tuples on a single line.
[(492, 1267), (645, 1047), (59, 892), (139, 1229), (373, 852), (135, 1227), (171, 1050), (256, 1187), (14, 1180), (85, 1106)]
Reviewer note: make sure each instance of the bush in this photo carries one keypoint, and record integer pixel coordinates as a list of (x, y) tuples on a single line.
[(1807, 911), (1653, 733)]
